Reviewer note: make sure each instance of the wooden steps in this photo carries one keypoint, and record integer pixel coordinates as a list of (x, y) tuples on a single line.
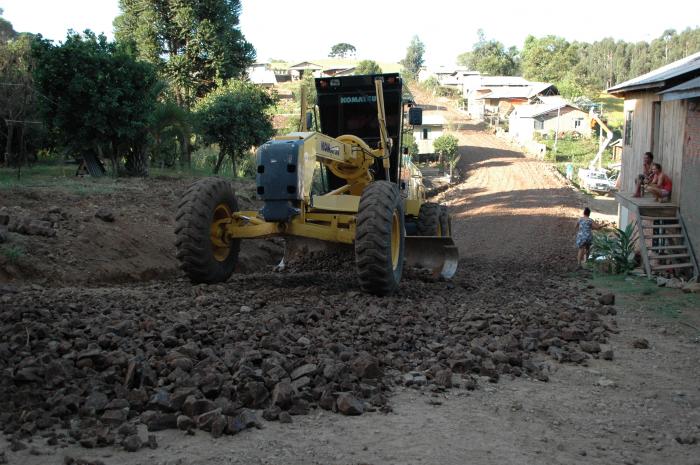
[(664, 243), (672, 266)]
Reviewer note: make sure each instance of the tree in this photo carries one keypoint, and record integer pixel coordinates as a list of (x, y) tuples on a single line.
[(17, 99), (547, 59), (409, 141), (96, 97), (446, 147), (491, 57), (235, 117), (7, 32), (342, 50), (368, 67), (194, 44), (413, 61)]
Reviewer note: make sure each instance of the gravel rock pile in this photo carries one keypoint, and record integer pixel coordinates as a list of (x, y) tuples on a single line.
[(87, 365)]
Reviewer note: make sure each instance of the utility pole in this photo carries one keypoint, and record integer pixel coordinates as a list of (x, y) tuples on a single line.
[(556, 133)]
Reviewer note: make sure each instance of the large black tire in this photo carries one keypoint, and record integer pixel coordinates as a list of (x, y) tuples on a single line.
[(445, 222), (201, 258), (379, 241), (429, 220)]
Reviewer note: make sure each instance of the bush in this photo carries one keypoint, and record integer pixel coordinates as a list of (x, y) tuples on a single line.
[(615, 249)]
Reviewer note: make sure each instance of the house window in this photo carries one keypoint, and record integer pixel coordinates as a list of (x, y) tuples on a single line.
[(539, 124), (628, 128), (426, 131), (577, 123)]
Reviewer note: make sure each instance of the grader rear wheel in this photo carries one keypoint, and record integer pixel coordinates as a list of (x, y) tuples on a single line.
[(206, 255), (429, 223), (379, 242)]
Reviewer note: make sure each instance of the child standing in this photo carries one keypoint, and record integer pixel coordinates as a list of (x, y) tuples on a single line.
[(584, 235)]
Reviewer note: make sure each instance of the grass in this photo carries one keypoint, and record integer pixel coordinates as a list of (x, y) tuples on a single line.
[(50, 176), (12, 253), (613, 109), (645, 295), (577, 152)]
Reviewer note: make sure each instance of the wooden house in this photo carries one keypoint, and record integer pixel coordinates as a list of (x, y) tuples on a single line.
[(662, 115), (488, 96), (545, 118)]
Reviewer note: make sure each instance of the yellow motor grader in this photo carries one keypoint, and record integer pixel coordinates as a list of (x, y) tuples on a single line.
[(348, 184)]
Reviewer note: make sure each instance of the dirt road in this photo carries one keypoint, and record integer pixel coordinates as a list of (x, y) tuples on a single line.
[(514, 361)]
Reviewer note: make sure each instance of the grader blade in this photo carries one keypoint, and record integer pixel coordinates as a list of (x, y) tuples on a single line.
[(437, 254), (298, 248)]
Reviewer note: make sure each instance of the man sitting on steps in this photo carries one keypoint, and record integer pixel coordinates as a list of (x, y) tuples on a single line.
[(646, 177)]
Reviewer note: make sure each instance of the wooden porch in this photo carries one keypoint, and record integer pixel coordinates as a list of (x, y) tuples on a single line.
[(663, 241)]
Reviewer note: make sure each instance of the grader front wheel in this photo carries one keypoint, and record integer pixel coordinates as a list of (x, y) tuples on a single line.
[(429, 223), (206, 255), (379, 242)]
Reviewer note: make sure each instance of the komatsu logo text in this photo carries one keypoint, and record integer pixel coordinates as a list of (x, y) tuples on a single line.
[(328, 148), (358, 99)]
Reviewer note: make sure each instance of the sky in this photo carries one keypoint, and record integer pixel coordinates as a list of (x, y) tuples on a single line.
[(382, 30)]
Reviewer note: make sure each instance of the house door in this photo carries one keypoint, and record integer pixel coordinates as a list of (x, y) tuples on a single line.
[(656, 129)]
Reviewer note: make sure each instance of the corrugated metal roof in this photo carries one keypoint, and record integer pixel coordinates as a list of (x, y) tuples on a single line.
[(496, 81), (508, 92), (552, 99), (517, 91), (689, 89), (531, 111), (658, 77)]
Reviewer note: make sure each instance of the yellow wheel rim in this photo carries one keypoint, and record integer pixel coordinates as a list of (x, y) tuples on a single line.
[(395, 239), (220, 246)]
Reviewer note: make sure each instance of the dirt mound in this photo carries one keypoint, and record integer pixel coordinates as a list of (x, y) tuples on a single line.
[(120, 233)]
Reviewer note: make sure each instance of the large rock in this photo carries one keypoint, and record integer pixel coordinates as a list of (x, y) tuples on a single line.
[(350, 405), (283, 394), (366, 366)]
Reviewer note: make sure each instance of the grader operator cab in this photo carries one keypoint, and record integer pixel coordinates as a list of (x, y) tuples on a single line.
[(347, 184)]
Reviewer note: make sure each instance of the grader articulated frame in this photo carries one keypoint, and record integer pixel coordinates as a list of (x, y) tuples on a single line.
[(329, 186)]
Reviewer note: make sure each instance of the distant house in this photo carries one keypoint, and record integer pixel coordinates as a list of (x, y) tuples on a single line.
[(426, 133), (447, 76), (527, 120), (300, 69), (262, 74), (499, 95), (662, 115)]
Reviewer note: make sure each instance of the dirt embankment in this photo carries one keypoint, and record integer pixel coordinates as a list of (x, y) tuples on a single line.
[(104, 232)]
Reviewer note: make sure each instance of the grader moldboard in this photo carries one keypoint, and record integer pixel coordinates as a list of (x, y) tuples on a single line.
[(331, 187)]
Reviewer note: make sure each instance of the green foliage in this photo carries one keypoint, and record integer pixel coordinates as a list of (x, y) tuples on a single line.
[(170, 129), (342, 50), (12, 253), (18, 137), (491, 57), (408, 141), (96, 97), (547, 59), (446, 146), (235, 117), (413, 61), (195, 44), (368, 67), (307, 83), (615, 249), (7, 32)]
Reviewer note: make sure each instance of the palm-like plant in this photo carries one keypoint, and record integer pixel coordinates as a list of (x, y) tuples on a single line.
[(616, 247)]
